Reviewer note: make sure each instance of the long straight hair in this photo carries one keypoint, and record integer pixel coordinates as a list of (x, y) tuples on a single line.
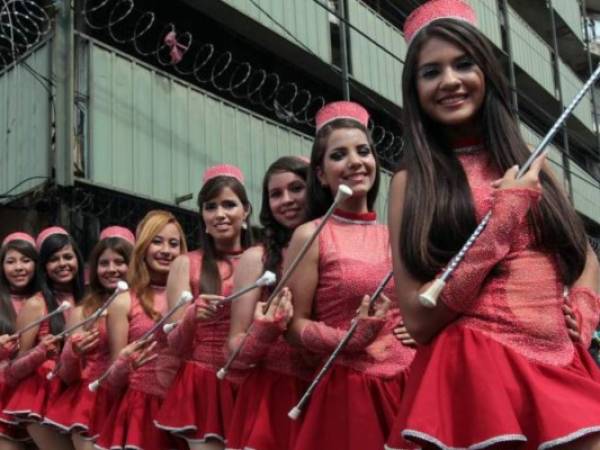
[(439, 213), (51, 245), (319, 198), (97, 293), (210, 279), (138, 275), (276, 236), (7, 312)]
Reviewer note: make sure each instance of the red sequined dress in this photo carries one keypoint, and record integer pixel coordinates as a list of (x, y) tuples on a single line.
[(130, 421), (505, 371), (9, 429), (199, 405), (354, 405), (33, 392), (272, 387), (75, 408)]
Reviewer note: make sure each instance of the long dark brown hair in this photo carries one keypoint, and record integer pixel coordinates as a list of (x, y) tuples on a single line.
[(276, 236), (97, 293), (7, 312), (210, 279), (439, 213), (319, 198)]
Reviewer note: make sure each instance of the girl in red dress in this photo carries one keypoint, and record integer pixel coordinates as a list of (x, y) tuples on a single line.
[(198, 406), (279, 374), (354, 405), (142, 370), (61, 269), (18, 282), (496, 368), (86, 354)]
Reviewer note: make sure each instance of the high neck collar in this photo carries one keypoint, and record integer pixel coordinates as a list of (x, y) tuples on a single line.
[(466, 145), (365, 218)]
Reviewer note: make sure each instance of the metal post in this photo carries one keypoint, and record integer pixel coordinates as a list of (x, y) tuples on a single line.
[(63, 69), (588, 43), (557, 83), (344, 49), (503, 6)]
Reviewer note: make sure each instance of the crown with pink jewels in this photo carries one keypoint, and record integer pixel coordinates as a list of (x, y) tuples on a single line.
[(341, 110), (46, 233), (117, 232), (435, 10), (223, 170), (18, 236)]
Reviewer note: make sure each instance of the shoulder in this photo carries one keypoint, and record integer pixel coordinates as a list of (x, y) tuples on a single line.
[(253, 255), (35, 304), (399, 180), (304, 231), (121, 305)]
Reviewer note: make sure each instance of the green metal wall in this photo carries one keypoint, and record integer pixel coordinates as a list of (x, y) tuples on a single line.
[(571, 85), (571, 13), (372, 66), (530, 52), (305, 19), (488, 19), (24, 123), (554, 154), (154, 136)]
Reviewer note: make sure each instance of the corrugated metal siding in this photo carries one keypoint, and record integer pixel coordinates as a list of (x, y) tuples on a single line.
[(554, 154), (24, 123), (489, 20), (530, 52), (571, 13), (154, 136), (306, 20), (372, 66), (586, 193), (381, 206), (571, 85)]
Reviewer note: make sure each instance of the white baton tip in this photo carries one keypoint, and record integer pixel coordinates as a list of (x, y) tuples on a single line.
[(186, 297), (429, 298), (168, 327), (93, 387), (64, 306), (344, 191), (221, 373), (294, 413), (267, 279), (122, 286), (50, 375)]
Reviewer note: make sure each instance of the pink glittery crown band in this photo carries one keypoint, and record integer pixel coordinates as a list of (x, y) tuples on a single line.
[(46, 233), (18, 236), (223, 170), (341, 110), (435, 10), (118, 232)]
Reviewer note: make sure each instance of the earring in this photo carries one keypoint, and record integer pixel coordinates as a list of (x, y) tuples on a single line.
[(244, 225)]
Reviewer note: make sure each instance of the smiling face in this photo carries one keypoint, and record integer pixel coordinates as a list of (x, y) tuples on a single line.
[(18, 269), (112, 268), (287, 198), (62, 266), (348, 159), (450, 86), (163, 249), (223, 216)]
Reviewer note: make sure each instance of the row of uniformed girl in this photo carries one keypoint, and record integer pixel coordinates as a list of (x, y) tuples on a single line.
[(496, 366)]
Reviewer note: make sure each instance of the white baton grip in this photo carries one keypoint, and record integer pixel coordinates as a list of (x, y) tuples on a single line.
[(429, 298)]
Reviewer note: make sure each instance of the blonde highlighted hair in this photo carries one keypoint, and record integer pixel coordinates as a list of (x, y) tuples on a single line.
[(139, 275)]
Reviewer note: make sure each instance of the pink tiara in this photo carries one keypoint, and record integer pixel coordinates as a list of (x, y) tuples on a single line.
[(223, 170), (118, 232), (18, 236), (435, 10), (46, 233), (341, 110)]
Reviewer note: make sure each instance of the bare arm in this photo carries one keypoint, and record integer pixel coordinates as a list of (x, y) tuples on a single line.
[(422, 323), (117, 324), (178, 281), (32, 310)]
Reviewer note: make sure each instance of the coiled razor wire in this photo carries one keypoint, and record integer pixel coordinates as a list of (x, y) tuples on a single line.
[(286, 100), (23, 23)]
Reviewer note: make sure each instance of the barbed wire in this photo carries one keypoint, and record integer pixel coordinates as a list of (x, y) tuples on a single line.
[(23, 23), (168, 46)]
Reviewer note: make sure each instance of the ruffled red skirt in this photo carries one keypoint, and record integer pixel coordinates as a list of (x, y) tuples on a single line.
[(467, 390), (74, 408), (130, 425), (260, 417), (198, 406), (105, 401), (33, 394), (350, 410)]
